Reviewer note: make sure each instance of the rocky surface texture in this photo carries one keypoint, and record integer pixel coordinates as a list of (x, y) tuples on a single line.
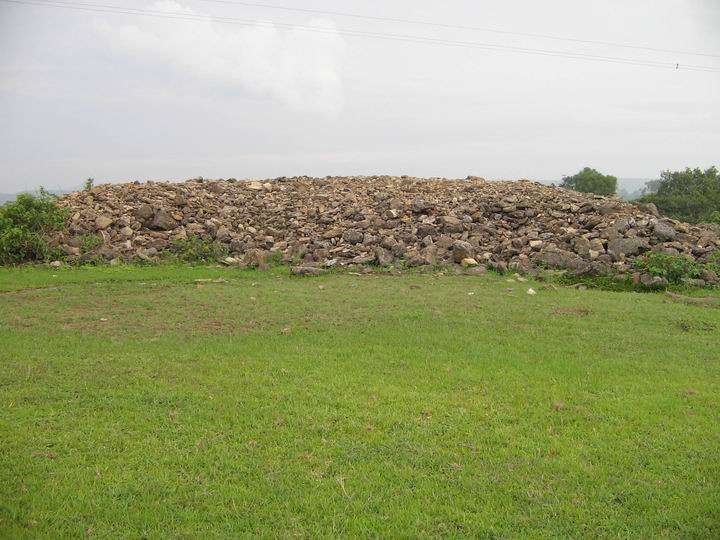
[(322, 222)]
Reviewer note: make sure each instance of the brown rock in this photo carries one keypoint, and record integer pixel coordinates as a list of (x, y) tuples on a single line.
[(451, 224), (332, 233), (163, 221), (103, 222), (255, 258), (478, 270), (383, 257), (709, 276)]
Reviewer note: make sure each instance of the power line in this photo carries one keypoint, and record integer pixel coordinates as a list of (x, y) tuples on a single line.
[(460, 27), (102, 8)]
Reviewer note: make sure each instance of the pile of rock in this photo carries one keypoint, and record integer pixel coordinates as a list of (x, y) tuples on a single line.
[(383, 220)]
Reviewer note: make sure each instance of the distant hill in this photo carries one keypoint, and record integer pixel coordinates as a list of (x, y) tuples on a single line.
[(632, 188), (628, 188), (5, 197), (633, 184)]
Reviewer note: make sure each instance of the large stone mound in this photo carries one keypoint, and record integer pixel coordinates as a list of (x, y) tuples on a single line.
[(337, 221)]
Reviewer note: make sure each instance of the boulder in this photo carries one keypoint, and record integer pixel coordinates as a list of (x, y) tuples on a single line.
[(383, 257), (559, 258), (335, 232), (663, 231), (425, 229), (103, 222), (416, 260), (462, 250), (709, 276), (163, 221), (650, 208), (420, 206), (627, 246), (451, 224), (144, 213), (353, 236), (305, 271)]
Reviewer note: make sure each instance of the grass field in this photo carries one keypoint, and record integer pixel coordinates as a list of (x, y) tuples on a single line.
[(136, 403)]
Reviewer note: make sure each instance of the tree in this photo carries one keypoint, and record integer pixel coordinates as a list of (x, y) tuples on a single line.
[(691, 195), (591, 181)]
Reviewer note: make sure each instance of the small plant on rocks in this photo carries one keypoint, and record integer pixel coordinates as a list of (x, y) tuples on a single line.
[(713, 263), (275, 258), (673, 268), (197, 249), (88, 242)]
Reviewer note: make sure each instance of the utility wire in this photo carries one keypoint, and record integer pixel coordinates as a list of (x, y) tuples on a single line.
[(356, 33), (460, 27)]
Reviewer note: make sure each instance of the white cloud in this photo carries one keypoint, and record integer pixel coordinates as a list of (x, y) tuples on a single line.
[(300, 69)]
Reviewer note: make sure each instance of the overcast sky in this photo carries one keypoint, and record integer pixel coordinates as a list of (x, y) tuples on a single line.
[(121, 97)]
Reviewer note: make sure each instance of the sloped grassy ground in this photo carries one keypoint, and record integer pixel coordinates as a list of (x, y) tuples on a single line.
[(135, 403)]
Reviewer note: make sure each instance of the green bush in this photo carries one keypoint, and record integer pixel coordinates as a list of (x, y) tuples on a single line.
[(197, 249), (691, 195), (591, 181), (674, 268), (25, 226), (89, 241)]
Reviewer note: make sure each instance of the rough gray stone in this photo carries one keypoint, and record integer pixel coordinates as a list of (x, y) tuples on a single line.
[(710, 276), (353, 236), (462, 250), (628, 246), (163, 221), (306, 271), (144, 212), (664, 232), (425, 229), (383, 257), (558, 259)]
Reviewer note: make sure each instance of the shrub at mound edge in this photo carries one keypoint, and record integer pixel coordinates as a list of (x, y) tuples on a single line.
[(26, 228)]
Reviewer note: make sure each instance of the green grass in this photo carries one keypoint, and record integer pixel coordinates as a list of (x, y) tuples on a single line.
[(347, 406)]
